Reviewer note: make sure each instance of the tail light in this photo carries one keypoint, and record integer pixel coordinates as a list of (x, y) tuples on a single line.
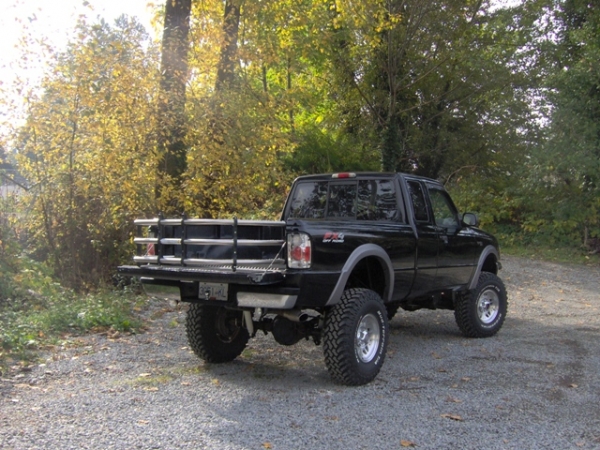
[(299, 251)]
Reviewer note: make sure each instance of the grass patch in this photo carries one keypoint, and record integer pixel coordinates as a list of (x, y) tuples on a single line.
[(553, 254), (195, 370), (151, 380), (44, 314), (248, 353), (542, 247)]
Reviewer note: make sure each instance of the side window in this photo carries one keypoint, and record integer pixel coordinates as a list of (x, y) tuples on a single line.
[(377, 200), (443, 210), (418, 201), (342, 200), (309, 200)]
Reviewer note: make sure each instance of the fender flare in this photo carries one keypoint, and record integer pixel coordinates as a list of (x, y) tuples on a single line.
[(357, 255), (487, 251)]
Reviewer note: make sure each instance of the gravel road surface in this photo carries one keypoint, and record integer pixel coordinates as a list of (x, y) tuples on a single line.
[(536, 385)]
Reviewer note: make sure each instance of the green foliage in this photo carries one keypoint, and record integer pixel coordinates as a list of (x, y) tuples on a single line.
[(46, 319), (86, 151), (565, 169), (319, 152), (430, 84), (501, 104), (36, 311)]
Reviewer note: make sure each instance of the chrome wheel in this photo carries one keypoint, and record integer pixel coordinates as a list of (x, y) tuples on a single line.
[(355, 337), (368, 336), (488, 306), (481, 311)]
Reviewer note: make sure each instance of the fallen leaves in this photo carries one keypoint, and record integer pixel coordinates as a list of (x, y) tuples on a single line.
[(454, 417), (405, 443)]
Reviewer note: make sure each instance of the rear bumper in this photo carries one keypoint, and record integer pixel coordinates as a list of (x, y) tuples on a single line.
[(247, 288), (159, 289), (242, 276)]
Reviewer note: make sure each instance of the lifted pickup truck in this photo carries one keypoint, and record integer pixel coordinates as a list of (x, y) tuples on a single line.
[(349, 251)]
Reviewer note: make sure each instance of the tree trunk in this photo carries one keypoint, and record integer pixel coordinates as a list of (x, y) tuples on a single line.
[(227, 60), (171, 108)]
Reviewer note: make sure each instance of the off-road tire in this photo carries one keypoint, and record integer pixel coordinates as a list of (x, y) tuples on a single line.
[(355, 337), (215, 334), (481, 311)]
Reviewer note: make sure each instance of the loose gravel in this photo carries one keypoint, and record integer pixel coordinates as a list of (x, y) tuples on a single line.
[(536, 385)]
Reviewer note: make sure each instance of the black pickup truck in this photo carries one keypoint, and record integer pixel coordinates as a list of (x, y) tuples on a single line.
[(349, 251)]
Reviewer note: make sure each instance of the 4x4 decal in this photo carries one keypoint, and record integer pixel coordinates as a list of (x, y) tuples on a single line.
[(336, 238)]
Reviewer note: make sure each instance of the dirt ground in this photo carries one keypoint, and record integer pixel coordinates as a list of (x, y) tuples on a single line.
[(534, 385)]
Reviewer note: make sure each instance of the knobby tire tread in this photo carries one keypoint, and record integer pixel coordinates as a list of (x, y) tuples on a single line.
[(464, 314), (203, 338), (338, 337)]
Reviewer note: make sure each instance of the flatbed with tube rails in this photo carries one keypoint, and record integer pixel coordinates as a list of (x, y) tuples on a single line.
[(349, 251)]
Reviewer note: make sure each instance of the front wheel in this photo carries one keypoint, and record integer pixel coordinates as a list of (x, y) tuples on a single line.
[(481, 312), (355, 337), (215, 334)]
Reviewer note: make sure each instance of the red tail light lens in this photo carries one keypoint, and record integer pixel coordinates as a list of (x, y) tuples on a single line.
[(299, 251)]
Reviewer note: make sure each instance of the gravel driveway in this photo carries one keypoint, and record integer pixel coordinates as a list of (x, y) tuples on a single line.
[(536, 385)]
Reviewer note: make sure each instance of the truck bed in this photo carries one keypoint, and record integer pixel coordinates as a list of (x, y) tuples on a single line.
[(210, 250)]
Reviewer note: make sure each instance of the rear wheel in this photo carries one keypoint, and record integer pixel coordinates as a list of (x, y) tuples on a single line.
[(215, 334), (481, 312), (355, 337)]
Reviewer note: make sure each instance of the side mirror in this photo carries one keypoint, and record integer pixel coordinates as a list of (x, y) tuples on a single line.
[(470, 219)]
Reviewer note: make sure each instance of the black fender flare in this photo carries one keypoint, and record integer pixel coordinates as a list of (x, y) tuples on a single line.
[(356, 256), (487, 251)]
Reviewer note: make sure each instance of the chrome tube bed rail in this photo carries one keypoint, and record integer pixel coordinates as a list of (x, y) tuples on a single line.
[(210, 242)]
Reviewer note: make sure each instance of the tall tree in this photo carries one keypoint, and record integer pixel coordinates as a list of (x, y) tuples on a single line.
[(426, 78), (568, 166), (84, 151), (228, 59), (238, 122), (171, 107)]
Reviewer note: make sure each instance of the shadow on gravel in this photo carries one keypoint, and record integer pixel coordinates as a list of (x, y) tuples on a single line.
[(535, 384), (429, 342)]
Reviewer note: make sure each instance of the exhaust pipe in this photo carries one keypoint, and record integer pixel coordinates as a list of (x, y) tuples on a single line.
[(295, 315)]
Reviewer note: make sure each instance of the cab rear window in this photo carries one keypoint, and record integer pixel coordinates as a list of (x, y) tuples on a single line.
[(309, 200), (349, 199)]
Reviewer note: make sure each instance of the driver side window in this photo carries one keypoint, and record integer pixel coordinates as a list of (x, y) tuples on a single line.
[(443, 210)]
